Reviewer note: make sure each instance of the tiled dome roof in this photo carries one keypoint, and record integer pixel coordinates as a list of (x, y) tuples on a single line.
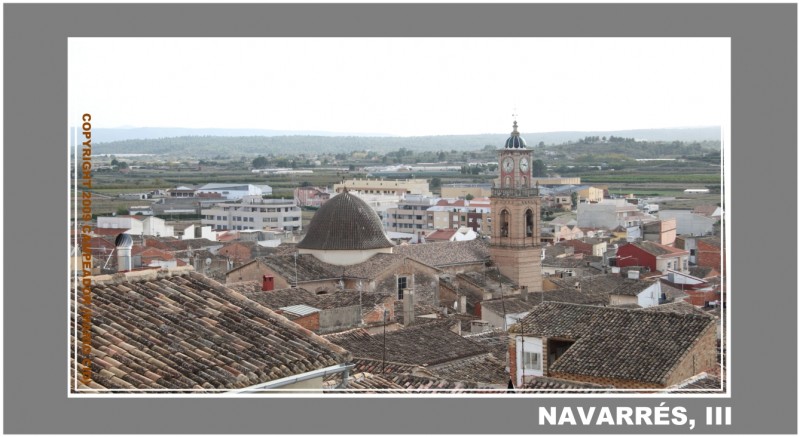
[(345, 222), (515, 141)]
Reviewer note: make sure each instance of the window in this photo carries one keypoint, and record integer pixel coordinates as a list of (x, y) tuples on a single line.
[(402, 284), (529, 223), (532, 360)]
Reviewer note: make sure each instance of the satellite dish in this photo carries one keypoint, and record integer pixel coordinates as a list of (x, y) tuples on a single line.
[(208, 261)]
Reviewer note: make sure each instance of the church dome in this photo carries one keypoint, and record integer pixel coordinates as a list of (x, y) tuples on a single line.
[(345, 222), (515, 141)]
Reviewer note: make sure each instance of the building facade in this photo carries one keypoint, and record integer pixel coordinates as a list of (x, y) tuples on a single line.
[(400, 187), (253, 212)]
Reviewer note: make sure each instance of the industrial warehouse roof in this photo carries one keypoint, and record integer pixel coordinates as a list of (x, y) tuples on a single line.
[(180, 331), (345, 222), (616, 343)]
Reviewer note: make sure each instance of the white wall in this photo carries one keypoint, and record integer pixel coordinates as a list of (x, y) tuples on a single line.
[(133, 224), (689, 223), (649, 296), (531, 344)]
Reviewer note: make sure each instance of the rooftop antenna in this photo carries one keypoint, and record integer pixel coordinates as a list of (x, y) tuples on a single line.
[(295, 270)]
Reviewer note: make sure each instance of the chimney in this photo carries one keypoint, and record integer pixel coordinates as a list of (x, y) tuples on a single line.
[(524, 293), (267, 283), (462, 304), (408, 306), (124, 243)]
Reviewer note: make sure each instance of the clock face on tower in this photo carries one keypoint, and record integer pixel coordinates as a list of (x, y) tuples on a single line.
[(523, 164), (508, 165)]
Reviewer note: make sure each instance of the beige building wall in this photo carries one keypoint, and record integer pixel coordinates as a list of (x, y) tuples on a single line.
[(458, 192), (380, 186)]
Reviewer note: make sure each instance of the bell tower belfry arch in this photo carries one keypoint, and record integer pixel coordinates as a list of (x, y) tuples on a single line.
[(516, 242)]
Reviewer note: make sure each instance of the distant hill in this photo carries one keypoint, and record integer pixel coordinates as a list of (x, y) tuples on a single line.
[(201, 143), (145, 133)]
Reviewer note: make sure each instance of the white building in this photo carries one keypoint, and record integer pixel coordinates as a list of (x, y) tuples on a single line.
[(610, 213), (133, 224), (150, 225), (232, 191), (191, 232), (157, 227), (689, 223), (253, 212)]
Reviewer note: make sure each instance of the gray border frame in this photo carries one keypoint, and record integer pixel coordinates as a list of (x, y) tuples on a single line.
[(764, 180)]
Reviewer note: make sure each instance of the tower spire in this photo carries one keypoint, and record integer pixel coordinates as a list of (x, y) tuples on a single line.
[(514, 117)]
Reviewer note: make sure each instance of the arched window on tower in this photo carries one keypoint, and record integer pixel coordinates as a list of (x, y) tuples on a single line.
[(529, 223), (504, 223)]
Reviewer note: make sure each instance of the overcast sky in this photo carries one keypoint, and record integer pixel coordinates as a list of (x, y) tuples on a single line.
[(401, 86)]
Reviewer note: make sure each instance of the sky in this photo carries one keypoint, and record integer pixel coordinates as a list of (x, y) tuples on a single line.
[(401, 86)]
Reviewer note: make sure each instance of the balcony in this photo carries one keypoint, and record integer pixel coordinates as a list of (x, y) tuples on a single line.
[(515, 192)]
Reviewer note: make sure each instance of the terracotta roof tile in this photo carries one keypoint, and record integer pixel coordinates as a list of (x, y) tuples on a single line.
[(345, 222), (613, 342), (544, 384), (446, 253), (182, 331), (425, 345)]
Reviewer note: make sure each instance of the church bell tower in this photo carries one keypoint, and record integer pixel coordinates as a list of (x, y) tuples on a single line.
[(516, 244)]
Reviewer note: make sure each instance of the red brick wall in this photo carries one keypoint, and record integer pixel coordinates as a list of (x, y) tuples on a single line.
[(709, 255), (310, 322), (512, 359), (580, 246), (376, 315)]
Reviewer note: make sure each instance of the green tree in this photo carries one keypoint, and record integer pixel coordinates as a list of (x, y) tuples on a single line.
[(260, 162), (469, 196), (539, 169), (436, 182), (574, 198)]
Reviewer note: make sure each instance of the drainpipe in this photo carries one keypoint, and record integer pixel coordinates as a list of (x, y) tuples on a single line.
[(344, 369)]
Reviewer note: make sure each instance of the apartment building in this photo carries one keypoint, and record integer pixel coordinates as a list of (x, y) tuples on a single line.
[(254, 212)]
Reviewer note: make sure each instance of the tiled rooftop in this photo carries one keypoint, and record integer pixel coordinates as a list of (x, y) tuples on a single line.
[(659, 249), (447, 253), (488, 279), (616, 343), (425, 345), (700, 271), (569, 295), (309, 268), (482, 369), (402, 383), (299, 296), (495, 340), (679, 307), (509, 305), (544, 384), (181, 331), (604, 284)]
